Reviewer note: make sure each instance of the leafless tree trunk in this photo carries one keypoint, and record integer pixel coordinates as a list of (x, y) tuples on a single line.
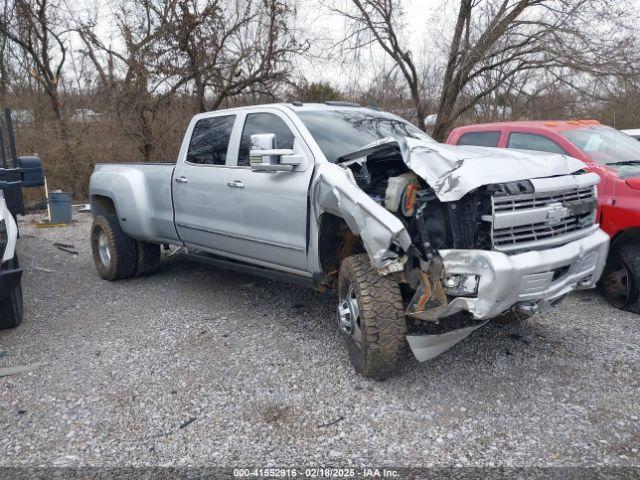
[(34, 26), (378, 21)]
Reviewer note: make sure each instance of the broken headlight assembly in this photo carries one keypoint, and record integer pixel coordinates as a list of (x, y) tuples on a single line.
[(461, 284), (3, 238)]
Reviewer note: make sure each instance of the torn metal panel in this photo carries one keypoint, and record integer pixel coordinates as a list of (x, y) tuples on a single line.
[(453, 171), (426, 347), (430, 301), (334, 190)]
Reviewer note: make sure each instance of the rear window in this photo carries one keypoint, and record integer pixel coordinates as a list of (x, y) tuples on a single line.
[(531, 141), (210, 140), (480, 139)]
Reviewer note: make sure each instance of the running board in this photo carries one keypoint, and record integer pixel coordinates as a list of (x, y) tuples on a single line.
[(223, 262)]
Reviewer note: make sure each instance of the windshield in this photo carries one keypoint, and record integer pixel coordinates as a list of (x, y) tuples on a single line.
[(339, 132), (605, 145)]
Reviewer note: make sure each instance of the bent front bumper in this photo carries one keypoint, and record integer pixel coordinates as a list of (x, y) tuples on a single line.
[(9, 280), (532, 281)]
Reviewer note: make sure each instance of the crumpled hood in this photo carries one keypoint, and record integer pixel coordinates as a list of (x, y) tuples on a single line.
[(454, 171)]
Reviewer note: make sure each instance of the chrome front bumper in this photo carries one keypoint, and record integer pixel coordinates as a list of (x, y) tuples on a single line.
[(532, 281)]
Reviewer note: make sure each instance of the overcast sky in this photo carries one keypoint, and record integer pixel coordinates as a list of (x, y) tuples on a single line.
[(418, 34), (320, 23)]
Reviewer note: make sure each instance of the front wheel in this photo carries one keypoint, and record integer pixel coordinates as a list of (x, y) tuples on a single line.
[(12, 307), (621, 279), (371, 317)]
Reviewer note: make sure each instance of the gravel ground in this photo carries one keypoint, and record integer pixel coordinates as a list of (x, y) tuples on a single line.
[(201, 366)]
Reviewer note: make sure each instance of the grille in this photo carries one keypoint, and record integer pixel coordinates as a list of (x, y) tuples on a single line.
[(522, 235), (513, 203)]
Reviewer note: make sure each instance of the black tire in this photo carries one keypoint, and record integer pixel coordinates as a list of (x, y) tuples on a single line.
[(621, 278), (12, 307), (381, 318), (121, 259), (148, 259)]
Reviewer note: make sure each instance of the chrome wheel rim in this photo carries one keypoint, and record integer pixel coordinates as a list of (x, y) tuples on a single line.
[(617, 285), (349, 316), (103, 249)]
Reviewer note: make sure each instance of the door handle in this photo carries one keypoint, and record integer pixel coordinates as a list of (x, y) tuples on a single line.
[(236, 184), (182, 180)]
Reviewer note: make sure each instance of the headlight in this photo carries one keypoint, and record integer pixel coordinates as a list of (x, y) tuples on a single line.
[(461, 284), (3, 239)]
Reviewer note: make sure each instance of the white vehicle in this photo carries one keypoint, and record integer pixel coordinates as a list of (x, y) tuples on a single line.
[(10, 275), (634, 132), (85, 115), (24, 172)]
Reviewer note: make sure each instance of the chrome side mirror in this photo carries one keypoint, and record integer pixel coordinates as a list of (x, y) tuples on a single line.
[(264, 157)]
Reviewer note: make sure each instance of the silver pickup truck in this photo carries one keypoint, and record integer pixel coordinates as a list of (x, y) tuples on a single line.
[(409, 232)]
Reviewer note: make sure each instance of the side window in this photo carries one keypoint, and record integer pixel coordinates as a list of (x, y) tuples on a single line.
[(263, 123), (210, 140), (531, 141), (480, 139)]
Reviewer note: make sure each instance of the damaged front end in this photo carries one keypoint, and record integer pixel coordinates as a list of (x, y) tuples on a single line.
[(465, 231)]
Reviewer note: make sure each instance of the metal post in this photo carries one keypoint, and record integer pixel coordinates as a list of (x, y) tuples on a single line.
[(12, 140), (3, 158)]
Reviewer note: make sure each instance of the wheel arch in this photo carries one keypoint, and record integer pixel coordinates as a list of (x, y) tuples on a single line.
[(102, 205), (336, 242), (626, 236)]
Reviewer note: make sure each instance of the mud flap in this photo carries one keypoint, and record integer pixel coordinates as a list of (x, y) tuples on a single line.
[(426, 347)]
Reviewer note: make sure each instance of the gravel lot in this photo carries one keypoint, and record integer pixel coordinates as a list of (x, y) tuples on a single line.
[(202, 366)]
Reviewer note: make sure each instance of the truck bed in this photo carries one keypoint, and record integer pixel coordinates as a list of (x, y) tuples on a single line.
[(144, 201)]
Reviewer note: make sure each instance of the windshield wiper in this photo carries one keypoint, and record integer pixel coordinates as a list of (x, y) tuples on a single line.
[(625, 162)]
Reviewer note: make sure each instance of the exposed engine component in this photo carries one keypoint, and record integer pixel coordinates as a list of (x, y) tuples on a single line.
[(409, 199), (431, 223), (396, 188)]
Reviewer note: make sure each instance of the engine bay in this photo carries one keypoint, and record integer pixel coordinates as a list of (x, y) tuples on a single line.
[(432, 224)]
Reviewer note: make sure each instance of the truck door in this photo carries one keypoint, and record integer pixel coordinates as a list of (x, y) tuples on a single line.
[(269, 209), (200, 193)]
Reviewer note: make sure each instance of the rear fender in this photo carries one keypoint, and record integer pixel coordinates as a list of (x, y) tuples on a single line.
[(141, 199)]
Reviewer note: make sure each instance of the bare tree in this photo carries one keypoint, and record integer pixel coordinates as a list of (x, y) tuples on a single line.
[(130, 75), (226, 48), (494, 41), (214, 50), (36, 27), (378, 22)]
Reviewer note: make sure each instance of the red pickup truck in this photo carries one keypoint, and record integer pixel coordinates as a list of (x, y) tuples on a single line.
[(610, 153)]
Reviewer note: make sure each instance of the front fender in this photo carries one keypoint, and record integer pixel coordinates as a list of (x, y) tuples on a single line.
[(335, 191)]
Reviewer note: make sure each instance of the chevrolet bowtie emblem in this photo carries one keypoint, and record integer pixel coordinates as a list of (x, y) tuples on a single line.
[(557, 212)]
